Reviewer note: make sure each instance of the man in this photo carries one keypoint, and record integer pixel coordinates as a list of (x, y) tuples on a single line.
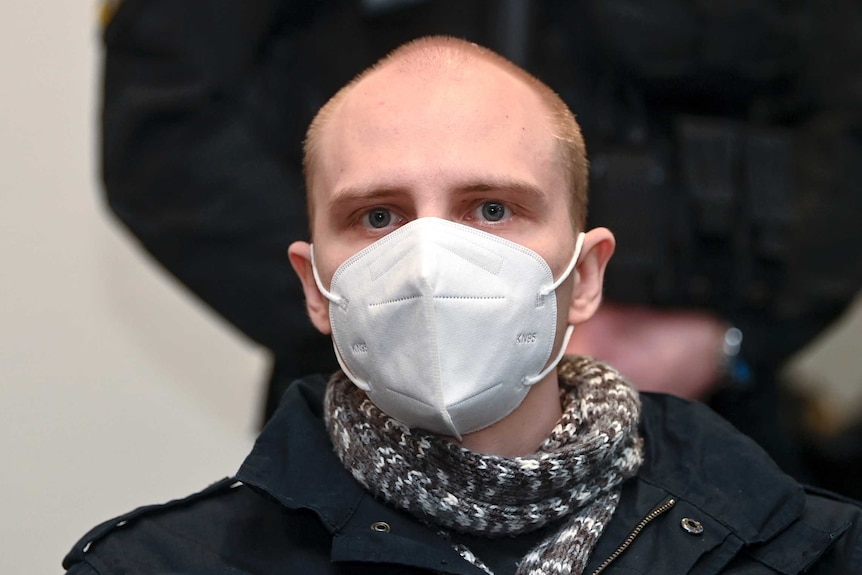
[(447, 194)]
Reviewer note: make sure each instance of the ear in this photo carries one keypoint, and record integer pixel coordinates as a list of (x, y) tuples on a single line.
[(317, 305), (597, 250)]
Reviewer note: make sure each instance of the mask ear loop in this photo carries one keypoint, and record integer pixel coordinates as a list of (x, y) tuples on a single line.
[(336, 299), (579, 244), (363, 385), (531, 380), (342, 303)]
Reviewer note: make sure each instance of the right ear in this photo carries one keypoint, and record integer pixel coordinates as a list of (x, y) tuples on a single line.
[(317, 305)]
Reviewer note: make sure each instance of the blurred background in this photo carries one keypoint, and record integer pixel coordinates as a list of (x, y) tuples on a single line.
[(118, 388)]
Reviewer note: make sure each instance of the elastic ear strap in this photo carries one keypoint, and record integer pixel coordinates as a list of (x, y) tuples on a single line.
[(350, 375), (541, 375), (337, 300), (579, 244)]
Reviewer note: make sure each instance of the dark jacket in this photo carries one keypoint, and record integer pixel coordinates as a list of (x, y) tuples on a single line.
[(706, 501)]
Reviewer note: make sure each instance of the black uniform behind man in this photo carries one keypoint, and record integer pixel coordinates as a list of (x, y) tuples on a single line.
[(724, 144)]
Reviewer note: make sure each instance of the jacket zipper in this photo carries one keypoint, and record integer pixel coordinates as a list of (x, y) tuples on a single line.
[(635, 532)]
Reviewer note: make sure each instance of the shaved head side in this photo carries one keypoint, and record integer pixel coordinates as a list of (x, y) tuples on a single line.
[(436, 55)]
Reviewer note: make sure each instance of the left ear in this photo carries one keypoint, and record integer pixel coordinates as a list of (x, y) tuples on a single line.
[(597, 250), (317, 305)]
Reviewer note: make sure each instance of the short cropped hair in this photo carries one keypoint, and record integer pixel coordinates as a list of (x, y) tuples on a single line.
[(429, 51)]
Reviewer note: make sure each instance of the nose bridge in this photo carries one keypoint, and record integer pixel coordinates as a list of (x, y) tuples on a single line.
[(433, 201), (427, 257)]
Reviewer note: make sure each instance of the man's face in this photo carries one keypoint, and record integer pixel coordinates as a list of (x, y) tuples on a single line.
[(473, 147)]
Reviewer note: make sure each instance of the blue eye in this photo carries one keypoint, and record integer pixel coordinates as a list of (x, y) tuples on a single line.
[(493, 211), (378, 218)]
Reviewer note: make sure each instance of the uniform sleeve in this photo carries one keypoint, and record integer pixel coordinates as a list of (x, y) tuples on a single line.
[(204, 107)]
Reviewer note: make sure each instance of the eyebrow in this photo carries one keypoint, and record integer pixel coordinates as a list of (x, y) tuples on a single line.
[(477, 185), (502, 185), (369, 193)]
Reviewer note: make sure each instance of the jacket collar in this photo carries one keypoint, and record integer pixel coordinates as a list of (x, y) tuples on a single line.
[(691, 453), (293, 462)]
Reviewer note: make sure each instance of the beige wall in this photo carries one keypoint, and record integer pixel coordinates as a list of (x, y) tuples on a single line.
[(116, 389)]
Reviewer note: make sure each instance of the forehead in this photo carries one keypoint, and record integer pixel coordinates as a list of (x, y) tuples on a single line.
[(453, 117)]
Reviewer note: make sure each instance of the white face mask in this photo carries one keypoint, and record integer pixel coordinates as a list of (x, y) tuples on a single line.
[(444, 326)]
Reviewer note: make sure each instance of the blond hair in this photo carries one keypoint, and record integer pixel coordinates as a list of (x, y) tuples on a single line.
[(428, 52)]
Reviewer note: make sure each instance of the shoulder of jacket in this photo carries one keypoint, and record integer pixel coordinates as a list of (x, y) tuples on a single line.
[(80, 549), (308, 390), (826, 538)]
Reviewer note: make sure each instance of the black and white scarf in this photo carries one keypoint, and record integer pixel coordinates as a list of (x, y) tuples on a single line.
[(576, 473)]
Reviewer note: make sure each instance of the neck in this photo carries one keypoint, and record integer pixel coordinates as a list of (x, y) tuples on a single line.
[(522, 431)]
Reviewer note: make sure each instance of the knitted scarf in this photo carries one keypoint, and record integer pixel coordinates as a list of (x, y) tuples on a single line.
[(576, 473)]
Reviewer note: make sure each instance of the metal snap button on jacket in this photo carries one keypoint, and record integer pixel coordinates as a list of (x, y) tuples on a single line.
[(380, 526), (691, 526)]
